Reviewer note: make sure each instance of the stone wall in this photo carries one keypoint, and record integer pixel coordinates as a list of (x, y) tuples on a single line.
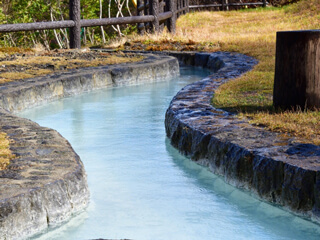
[(277, 169), (46, 184)]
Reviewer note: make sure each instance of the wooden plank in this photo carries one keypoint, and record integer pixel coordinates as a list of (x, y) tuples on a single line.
[(205, 6), (36, 26), (115, 21), (70, 23), (165, 15), (220, 5), (182, 9), (244, 4)]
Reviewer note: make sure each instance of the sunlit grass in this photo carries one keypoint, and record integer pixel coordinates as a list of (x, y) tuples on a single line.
[(5, 153), (302, 124), (30, 62), (251, 32)]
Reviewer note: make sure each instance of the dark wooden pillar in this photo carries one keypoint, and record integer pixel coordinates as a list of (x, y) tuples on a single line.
[(178, 4), (140, 11), (297, 73), (74, 13), (154, 10), (264, 3), (146, 13), (171, 5), (222, 5), (187, 4), (162, 5)]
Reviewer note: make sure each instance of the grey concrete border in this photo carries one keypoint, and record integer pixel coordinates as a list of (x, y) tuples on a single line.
[(46, 184), (279, 170)]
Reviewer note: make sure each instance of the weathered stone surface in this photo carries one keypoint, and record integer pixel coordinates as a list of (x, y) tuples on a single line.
[(27, 93), (278, 170), (201, 59), (215, 63), (46, 184)]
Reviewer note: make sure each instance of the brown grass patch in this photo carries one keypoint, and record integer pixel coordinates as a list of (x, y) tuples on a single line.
[(5, 153), (19, 65), (301, 124)]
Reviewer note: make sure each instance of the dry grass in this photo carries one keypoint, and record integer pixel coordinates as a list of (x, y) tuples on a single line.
[(33, 64), (251, 94), (302, 124), (251, 32), (5, 153)]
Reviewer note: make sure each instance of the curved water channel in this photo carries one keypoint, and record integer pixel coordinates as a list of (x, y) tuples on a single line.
[(141, 187)]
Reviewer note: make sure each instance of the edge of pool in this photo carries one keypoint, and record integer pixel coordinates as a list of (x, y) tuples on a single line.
[(46, 184), (278, 170)]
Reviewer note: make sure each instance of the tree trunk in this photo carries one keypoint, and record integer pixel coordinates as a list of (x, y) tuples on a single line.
[(297, 73)]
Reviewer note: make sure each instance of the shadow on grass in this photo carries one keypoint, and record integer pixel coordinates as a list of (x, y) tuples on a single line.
[(251, 109)]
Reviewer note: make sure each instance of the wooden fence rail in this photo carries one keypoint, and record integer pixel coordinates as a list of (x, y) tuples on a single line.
[(152, 15), (225, 4)]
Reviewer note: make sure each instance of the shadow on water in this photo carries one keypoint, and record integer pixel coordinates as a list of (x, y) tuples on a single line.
[(283, 224)]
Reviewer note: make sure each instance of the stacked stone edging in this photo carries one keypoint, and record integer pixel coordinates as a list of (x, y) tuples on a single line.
[(28, 93), (46, 184), (277, 169)]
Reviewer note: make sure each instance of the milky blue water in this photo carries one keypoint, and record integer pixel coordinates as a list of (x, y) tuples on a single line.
[(141, 187)]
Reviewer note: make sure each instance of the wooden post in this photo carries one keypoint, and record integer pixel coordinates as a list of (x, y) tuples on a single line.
[(297, 73), (222, 3), (74, 13), (154, 10), (264, 3), (140, 26), (171, 5), (183, 5), (187, 4), (161, 10), (146, 13)]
